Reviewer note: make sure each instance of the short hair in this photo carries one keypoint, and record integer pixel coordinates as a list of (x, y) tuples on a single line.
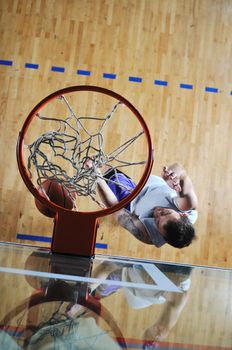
[(180, 233)]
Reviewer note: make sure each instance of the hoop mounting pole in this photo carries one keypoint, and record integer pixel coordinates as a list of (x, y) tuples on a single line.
[(74, 234)]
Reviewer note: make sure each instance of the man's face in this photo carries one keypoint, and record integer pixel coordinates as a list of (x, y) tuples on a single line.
[(163, 215)]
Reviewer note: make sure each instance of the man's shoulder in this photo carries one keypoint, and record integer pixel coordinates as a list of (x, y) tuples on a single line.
[(157, 183), (156, 180)]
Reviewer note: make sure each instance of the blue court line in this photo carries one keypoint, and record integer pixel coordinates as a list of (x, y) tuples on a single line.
[(83, 72), (135, 79), (161, 82), (34, 238), (57, 69), (109, 76), (210, 89), (186, 86), (6, 63), (101, 245), (31, 65), (49, 240)]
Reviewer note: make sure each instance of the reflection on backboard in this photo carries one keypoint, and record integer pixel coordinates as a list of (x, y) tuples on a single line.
[(55, 301)]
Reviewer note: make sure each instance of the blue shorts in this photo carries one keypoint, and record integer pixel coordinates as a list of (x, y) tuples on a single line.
[(121, 192)]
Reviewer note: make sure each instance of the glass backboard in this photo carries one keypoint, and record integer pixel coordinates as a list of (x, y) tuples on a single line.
[(51, 301)]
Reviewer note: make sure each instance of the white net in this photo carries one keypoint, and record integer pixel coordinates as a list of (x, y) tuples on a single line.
[(70, 139)]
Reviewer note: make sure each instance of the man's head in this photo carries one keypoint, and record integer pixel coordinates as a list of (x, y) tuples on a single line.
[(175, 227)]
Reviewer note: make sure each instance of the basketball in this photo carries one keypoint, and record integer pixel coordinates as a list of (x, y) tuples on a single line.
[(56, 194)]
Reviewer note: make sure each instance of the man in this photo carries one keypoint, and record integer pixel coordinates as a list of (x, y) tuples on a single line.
[(164, 210)]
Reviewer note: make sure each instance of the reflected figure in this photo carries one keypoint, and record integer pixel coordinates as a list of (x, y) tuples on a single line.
[(142, 298), (69, 314)]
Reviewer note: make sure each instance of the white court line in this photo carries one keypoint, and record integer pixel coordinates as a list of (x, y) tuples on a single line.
[(161, 281), (79, 279)]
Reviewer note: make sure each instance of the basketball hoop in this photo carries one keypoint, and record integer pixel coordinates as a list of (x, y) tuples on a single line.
[(73, 126)]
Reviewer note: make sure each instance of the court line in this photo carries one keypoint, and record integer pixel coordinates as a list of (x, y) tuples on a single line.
[(109, 76), (83, 72), (161, 82), (31, 66), (59, 276), (211, 89), (112, 76), (186, 86), (154, 272), (135, 79), (49, 240), (6, 63), (57, 69)]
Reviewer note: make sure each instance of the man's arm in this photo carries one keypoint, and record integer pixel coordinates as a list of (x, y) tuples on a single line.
[(168, 317), (177, 178), (126, 219), (132, 224)]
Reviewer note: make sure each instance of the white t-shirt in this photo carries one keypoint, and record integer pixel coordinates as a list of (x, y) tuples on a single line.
[(156, 193), (140, 298)]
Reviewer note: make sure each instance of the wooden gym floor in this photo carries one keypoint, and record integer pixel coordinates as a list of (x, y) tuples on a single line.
[(180, 53)]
